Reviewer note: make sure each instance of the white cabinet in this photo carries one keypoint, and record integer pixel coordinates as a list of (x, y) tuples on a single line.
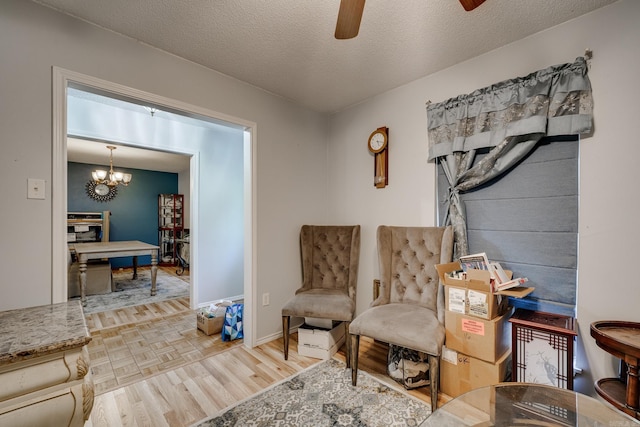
[(44, 366)]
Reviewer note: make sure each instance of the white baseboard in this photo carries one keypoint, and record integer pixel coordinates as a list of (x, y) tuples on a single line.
[(276, 335)]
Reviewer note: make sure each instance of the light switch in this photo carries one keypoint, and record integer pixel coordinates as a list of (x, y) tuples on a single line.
[(36, 188)]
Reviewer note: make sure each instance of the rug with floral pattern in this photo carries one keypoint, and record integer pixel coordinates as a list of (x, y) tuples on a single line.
[(130, 292), (323, 395)]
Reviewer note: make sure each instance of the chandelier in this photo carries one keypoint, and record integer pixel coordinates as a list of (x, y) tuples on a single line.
[(111, 178)]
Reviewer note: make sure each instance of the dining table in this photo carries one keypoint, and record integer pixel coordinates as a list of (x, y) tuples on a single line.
[(114, 249)]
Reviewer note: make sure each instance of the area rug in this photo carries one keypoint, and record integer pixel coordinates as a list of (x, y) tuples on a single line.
[(130, 292), (322, 395)]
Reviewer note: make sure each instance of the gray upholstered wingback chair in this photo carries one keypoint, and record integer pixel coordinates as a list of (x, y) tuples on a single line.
[(330, 258), (409, 311)]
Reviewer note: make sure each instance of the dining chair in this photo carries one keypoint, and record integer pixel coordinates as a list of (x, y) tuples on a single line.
[(409, 311), (330, 257)]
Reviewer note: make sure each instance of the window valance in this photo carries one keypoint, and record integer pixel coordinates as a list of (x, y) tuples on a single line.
[(508, 119), (553, 101)]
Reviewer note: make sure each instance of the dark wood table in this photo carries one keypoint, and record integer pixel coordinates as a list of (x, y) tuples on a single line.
[(622, 340)]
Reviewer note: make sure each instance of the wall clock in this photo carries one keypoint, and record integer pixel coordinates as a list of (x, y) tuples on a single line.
[(100, 192), (379, 146)]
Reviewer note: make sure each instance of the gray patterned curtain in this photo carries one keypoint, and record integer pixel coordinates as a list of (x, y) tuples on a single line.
[(509, 118)]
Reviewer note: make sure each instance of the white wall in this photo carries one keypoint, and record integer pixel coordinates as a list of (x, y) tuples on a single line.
[(290, 146), (609, 202)]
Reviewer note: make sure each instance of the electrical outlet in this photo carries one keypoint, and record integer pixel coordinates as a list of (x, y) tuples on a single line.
[(265, 298)]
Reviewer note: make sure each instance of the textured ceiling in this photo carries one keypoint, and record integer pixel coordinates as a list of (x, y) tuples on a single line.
[(287, 47)]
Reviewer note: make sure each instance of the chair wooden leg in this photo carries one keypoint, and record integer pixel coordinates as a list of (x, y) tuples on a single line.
[(434, 377), (348, 344), (355, 347), (285, 336)]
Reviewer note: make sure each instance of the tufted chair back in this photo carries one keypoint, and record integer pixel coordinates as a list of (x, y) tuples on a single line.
[(409, 311), (330, 255), (407, 257)]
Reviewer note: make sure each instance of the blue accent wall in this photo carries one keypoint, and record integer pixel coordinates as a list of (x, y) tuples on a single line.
[(134, 210)]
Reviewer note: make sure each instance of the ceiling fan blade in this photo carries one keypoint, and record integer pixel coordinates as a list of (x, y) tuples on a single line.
[(469, 5), (349, 17)]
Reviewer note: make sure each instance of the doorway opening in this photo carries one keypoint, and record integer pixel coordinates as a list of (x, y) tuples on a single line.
[(200, 270)]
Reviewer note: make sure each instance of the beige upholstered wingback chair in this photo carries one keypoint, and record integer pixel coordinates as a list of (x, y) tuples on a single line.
[(409, 311), (330, 257)]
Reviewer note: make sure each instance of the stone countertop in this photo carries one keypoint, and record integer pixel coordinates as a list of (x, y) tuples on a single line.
[(35, 331)]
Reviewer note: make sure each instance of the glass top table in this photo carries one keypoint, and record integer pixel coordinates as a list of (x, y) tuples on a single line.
[(524, 404)]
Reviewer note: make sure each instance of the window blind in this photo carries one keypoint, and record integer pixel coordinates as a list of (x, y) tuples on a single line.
[(528, 221)]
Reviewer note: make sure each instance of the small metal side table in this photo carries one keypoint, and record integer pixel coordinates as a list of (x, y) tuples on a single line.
[(542, 350)]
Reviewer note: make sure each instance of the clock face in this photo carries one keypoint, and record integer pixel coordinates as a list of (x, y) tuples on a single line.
[(100, 192), (377, 141), (102, 189)]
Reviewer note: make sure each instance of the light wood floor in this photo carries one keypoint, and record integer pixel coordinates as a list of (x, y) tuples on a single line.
[(122, 355), (199, 389)]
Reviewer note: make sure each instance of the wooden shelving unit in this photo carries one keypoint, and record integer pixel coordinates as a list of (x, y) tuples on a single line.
[(170, 227)]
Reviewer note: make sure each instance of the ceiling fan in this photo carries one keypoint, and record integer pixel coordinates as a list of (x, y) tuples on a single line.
[(350, 15)]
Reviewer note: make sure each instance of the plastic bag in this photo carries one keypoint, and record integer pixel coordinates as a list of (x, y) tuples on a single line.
[(232, 328), (408, 367)]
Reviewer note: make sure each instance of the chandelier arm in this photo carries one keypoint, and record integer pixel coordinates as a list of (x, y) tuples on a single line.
[(115, 178)]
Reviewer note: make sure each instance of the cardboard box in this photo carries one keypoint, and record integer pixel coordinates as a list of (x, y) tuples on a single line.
[(320, 343), (99, 280), (209, 325), (320, 353), (318, 323), (474, 296), (483, 339), (460, 373)]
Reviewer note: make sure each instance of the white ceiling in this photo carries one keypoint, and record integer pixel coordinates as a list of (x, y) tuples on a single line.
[(97, 153), (287, 47), (90, 151)]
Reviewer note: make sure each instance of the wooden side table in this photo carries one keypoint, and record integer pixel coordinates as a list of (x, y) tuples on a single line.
[(542, 348), (622, 340)]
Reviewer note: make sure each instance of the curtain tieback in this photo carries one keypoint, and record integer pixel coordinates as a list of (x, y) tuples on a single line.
[(453, 196)]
